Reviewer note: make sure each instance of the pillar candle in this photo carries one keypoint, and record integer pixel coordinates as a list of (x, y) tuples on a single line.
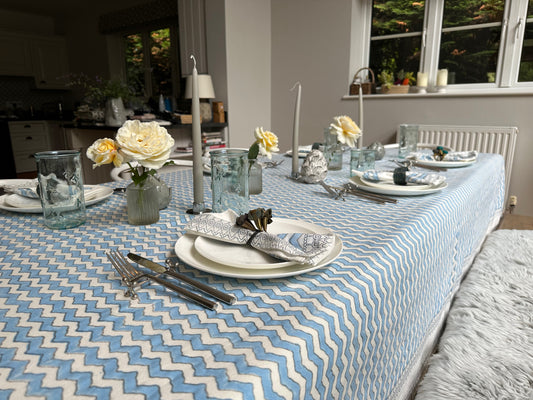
[(360, 140), (295, 130), (198, 178), (442, 77), (422, 79)]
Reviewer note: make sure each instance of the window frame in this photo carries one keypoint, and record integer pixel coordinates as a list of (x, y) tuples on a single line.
[(511, 43), (144, 31)]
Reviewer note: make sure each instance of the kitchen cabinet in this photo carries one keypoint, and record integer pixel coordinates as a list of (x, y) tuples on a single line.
[(16, 55), (50, 65), (30, 137), (42, 57)]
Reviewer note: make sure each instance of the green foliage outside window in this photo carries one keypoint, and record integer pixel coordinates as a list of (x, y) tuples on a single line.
[(469, 54)]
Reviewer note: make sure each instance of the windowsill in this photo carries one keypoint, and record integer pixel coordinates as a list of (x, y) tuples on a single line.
[(496, 92)]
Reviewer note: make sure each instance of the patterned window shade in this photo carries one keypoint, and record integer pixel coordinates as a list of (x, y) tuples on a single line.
[(159, 11)]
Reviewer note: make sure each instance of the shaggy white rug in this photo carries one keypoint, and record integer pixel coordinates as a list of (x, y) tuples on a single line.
[(486, 350)]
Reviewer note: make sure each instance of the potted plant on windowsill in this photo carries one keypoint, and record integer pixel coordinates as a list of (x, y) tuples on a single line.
[(101, 93), (390, 85)]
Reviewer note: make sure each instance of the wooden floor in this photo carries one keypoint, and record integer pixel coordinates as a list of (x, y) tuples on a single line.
[(514, 221)]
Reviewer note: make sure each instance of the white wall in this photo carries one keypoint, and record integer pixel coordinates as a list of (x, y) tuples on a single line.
[(248, 43), (310, 44)]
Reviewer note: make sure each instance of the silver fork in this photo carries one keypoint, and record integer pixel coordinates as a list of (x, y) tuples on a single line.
[(130, 275)]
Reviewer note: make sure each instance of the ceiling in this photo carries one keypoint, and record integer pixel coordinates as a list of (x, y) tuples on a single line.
[(55, 8)]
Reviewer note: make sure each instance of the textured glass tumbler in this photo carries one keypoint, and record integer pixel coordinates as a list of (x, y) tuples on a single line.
[(229, 180), (61, 188), (407, 139), (361, 160)]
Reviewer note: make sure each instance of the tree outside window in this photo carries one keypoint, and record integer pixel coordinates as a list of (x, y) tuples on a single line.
[(150, 67)]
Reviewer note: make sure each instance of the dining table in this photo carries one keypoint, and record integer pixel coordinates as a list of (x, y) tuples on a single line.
[(360, 326)]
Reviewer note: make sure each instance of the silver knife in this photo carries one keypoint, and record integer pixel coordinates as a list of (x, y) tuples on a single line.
[(225, 297)]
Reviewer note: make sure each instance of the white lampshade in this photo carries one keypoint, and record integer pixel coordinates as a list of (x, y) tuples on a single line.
[(205, 87)]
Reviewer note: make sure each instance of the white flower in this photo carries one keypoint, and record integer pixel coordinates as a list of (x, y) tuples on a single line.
[(104, 151), (267, 142), (346, 130), (145, 142)]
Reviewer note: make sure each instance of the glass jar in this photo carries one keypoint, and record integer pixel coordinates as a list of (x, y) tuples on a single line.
[(61, 188), (143, 202), (229, 180)]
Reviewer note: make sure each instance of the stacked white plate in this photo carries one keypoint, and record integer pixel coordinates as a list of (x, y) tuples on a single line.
[(239, 261), (21, 204), (396, 190)]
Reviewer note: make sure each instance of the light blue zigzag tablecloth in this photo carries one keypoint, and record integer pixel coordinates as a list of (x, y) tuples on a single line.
[(352, 329)]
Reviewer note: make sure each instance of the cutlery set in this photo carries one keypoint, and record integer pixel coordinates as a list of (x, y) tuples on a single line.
[(353, 189), (131, 277)]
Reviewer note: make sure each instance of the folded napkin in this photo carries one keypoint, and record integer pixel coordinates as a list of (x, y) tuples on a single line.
[(25, 188), (20, 200), (413, 177), (304, 248), (464, 156)]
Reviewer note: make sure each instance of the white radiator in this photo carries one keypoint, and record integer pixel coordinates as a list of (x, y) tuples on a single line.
[(485, 139)]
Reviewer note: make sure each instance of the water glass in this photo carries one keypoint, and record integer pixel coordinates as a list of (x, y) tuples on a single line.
[(361, 160), (61, 188), (229, 180), (407, 139)]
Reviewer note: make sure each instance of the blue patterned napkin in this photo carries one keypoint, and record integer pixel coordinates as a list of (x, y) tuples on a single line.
[(464, 156), (25, 188), (412, 177), (304, 248)]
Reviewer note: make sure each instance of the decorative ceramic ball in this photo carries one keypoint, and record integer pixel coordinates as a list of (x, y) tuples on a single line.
[(314, 168), (379, 150)]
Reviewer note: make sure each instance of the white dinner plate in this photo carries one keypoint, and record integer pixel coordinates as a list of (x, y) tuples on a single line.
[(445, 164), (384, 185), (239, 256), (301, 154), (419, 146), (103, 193), (397, 190), (187, 252)]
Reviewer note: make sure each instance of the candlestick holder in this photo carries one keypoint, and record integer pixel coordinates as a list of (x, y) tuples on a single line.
[(198, 208), (421, 89), (441, 89)]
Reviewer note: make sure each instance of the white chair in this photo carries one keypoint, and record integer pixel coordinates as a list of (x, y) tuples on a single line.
[(121, 173)]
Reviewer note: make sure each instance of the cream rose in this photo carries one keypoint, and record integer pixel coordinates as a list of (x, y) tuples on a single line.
[(104, 151), (346, 130), (267, 141), (145, 142)]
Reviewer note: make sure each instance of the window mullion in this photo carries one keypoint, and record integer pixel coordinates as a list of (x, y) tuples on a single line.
[(511, 43), (148, 90), (432, 28)]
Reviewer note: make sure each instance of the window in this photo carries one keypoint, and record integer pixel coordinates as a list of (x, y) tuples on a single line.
[(481, 43), (149, 62)]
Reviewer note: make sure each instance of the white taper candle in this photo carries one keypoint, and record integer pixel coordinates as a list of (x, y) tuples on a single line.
[(198, 176), (296, 130), (360, 141)]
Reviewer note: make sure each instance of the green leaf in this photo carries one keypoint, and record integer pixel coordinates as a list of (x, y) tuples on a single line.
[(254, 151)]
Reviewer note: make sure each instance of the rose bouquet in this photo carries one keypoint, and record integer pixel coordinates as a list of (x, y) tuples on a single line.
[(144, 146)]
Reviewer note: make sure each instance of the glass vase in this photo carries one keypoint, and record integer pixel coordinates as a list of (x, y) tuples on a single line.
[(164, 192), (229, 180), (255, 177), (143, 203)]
